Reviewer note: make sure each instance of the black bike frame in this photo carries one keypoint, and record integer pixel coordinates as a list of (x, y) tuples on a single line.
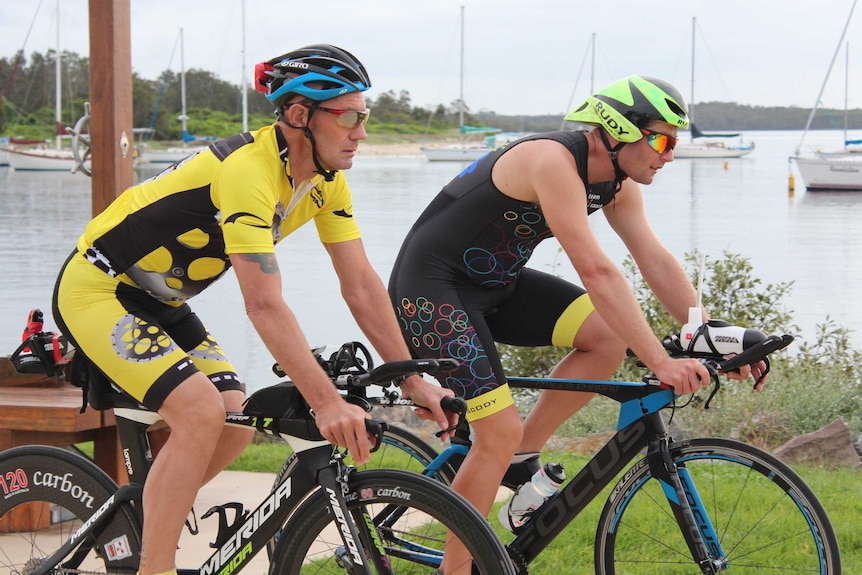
[(309, 468)]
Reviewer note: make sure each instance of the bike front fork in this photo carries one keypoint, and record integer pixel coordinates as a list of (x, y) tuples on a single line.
[(687, 507)]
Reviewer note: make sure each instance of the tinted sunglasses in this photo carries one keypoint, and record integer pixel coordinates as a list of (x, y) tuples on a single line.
[(661, 143), (348, 118)]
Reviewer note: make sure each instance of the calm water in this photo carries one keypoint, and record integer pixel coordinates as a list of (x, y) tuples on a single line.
[(742, 206)]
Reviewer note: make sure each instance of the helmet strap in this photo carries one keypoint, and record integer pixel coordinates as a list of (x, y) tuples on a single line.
[(619, 175), (328, 175)]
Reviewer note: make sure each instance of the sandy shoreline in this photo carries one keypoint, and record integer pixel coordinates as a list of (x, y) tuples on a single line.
[(402, 149)]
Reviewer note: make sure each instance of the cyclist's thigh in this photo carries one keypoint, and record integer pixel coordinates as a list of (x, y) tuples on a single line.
[(186, 329), (120, 328), (543, 309), (449, 322)]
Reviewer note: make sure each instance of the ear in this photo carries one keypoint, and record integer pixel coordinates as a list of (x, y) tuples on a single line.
[(296, 116)]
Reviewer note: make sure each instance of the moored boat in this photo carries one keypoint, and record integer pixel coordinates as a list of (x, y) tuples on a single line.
[(830, 174), (42, 159)]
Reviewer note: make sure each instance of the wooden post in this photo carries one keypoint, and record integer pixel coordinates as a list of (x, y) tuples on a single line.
[(111, 137)]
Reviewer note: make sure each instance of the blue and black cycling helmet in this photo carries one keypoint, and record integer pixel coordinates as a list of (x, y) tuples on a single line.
[(318, 72), (627, 105)]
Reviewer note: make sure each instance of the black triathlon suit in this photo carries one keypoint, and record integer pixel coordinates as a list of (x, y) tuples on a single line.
[(459, 283)]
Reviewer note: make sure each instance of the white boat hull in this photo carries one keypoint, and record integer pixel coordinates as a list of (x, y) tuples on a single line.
[(168, 156), (841, 154), (455, 153), (42, 160), (710, 151), (830, 174)]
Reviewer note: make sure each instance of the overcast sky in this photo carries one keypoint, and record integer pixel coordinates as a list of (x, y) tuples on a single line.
[(521, 57)]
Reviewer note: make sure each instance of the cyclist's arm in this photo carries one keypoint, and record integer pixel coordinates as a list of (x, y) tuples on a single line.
[(369, 302), (260, 282), (660, 269), (546, 174)]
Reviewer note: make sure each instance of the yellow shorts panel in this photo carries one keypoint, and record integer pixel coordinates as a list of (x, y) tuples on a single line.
[(489, 403), (570, 322)]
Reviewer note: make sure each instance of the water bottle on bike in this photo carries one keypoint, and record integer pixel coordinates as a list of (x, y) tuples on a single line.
[(716, 336), (531, 495)]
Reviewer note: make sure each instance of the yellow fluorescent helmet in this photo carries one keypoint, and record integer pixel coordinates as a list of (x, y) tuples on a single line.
[(625, 106)]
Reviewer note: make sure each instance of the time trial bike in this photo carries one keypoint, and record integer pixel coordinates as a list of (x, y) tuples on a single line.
[(61, 514), (688, 505)]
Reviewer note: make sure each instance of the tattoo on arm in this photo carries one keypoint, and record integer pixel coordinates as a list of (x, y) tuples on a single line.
[(268, 262)]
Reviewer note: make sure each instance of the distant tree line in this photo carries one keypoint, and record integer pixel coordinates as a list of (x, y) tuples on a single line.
[(214, 106)]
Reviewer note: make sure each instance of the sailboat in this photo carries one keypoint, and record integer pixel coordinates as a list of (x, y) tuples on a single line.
[(852, 148), (463, 151), (47, 159), (704, 145), (838, 173), (174, 154)]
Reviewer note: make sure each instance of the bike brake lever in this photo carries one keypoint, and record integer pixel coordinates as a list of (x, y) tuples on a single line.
[(713, 374), (376, 428), (455, 405)]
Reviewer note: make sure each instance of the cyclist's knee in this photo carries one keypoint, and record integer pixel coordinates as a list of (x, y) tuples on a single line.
[(194, 407), (598, 339), (233, 400), (499, 433)]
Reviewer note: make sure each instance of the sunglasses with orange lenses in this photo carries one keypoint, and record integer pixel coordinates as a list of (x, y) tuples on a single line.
[(661, 143), (348, 118)]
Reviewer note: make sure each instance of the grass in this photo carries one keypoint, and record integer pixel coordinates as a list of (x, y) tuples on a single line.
[(572, 551), (836, 490)]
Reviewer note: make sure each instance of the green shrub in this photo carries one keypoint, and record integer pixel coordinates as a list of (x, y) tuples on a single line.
[(810, 384)]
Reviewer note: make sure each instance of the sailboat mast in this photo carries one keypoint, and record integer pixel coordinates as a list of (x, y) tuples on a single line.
[(57, 89), (461, 97), (244, 82), (591, 47), (846, 83), (691, 102), (826, 79), (183, 115)]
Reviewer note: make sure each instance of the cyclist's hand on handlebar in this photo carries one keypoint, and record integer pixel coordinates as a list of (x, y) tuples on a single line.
[(427, 399), (757, 370), (343, 424), (683, 375)]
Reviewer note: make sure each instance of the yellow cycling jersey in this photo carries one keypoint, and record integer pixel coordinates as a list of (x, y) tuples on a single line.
[(171, 234)]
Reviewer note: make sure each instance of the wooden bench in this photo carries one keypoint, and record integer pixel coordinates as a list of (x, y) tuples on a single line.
[(51, 416), (37, 410)]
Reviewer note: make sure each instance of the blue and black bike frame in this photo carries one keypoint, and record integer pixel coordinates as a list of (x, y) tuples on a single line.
[(640, 427)]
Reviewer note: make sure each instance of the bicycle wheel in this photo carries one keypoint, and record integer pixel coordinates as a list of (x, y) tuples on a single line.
[(411, 515), (402, 449), (399, 449), (46, 494), (767, 520)]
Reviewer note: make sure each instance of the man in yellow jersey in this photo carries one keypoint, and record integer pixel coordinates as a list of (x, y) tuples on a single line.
[(121, 296), (460, 283)]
